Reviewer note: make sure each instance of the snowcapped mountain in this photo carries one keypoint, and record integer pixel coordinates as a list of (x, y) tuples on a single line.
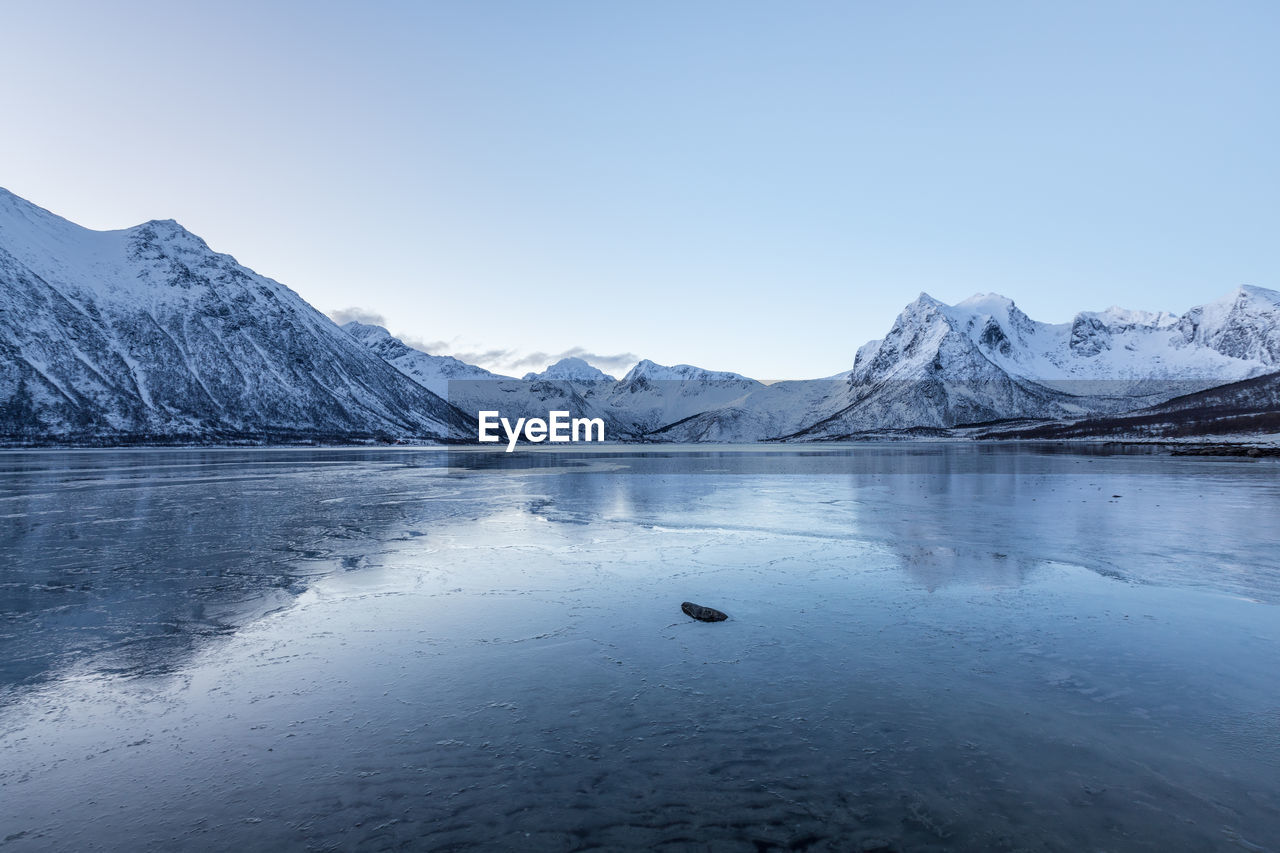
[(148, 334), (766, 411), (570, 384), (433, 372), (571, 370), (652, 396), (1243, 325), (1108, 345), (939, 366), (646, 372), (984, 360)]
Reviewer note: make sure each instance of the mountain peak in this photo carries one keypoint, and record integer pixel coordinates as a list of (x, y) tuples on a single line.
[(651, 370), (987, 302), (1244, 324), (573, 369), (167, 227), (924, 300), (1250, 291), (1244, 296), (365, 330)]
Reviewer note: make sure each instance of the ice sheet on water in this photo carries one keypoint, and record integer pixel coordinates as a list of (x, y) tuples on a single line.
[(934, 648)]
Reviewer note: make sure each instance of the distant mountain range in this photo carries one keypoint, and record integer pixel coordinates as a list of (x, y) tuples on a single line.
[(147, 335)]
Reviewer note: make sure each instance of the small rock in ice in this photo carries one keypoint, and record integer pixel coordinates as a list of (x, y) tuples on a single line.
[(702, 614)]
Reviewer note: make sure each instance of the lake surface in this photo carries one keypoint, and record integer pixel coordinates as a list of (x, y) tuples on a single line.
[(930, 647)]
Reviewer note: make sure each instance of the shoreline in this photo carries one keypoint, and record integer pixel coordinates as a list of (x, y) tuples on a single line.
[(1261, 446)]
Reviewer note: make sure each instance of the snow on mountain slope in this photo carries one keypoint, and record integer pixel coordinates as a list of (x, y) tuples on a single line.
[(943, 365), (939, 366), (146, 333), (535, 398), (984, 359), (648, 371), (573, 370), (569, 385), (649, 396), (1111, 345), (1243, 325), (767, 411), (652, 396), (1140, 350), (433, 372)]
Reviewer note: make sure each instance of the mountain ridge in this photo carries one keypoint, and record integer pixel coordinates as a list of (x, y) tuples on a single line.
[(146, 333)]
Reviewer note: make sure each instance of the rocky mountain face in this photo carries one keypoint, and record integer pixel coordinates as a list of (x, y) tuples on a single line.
[(1244, 325), (146, 334)]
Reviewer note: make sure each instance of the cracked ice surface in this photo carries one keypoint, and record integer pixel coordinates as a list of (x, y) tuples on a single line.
[(935, 647)]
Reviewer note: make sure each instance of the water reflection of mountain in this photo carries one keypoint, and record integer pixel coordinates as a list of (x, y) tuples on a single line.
[(134, 557), (952, 513), (128, 560)]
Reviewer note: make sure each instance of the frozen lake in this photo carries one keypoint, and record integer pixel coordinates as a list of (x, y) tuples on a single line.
[(930, 647)]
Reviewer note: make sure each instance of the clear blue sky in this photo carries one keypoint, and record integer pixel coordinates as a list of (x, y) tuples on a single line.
[(756, 187)]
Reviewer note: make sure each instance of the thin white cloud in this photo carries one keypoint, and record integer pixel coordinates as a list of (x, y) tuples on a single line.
[(359, 315)]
